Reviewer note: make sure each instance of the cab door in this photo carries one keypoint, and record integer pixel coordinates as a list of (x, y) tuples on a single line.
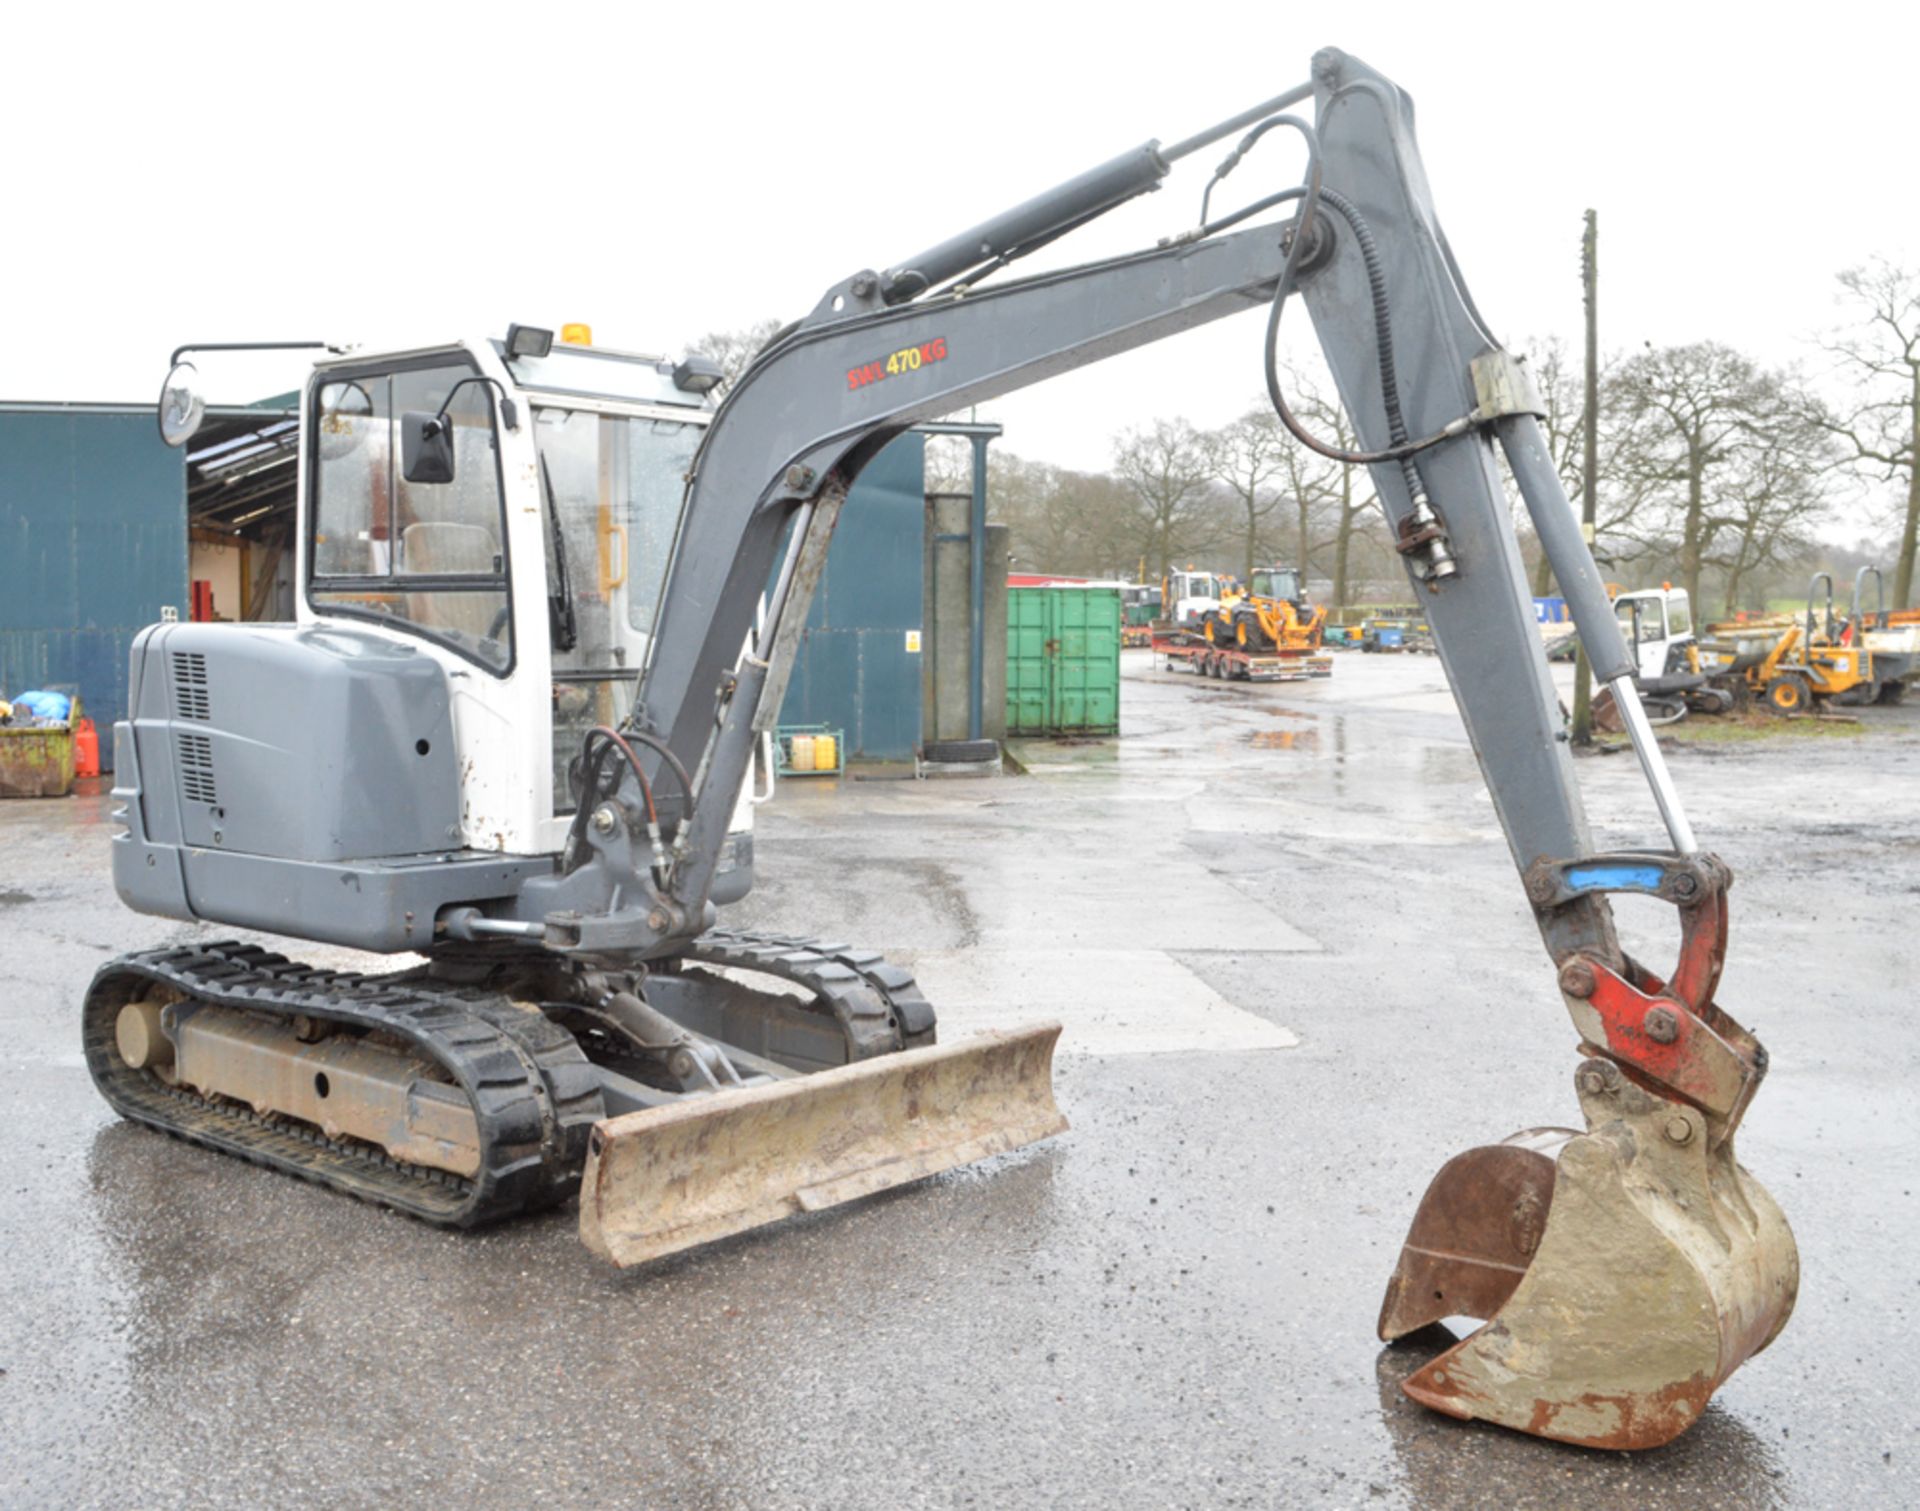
[(1643, 620)]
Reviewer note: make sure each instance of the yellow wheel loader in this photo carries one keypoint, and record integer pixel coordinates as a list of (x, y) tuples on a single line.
[(1271, 613), (513, 727)]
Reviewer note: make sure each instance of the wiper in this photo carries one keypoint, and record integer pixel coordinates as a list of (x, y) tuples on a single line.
[(561, 618)]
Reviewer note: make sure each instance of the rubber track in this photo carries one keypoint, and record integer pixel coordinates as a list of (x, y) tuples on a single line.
[(533, 1093), (872, 999)]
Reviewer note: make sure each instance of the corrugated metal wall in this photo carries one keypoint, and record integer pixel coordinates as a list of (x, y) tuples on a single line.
[(1063, 661), (93, 544), (854, 670)]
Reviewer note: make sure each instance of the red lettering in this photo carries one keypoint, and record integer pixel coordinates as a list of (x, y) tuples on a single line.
[(874, 372)]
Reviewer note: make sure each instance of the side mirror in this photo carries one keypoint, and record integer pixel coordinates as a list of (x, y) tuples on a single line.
[(426, 448), (181, 407)]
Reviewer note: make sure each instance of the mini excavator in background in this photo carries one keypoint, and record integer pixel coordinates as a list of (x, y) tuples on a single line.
[(513, 725)]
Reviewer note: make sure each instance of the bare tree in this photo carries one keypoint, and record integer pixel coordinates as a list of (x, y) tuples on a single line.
[(1247, 457), (734, 349), (1164, 467), (1627, 429), (1879, 356), (1702, 407), (1778, 497), (1340, 497), (949, 464)]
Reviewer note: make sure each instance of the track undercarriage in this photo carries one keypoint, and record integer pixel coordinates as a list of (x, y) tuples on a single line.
[(483, 1083)]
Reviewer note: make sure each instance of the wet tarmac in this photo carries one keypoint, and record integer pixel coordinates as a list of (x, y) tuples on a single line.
[(1297, 974)]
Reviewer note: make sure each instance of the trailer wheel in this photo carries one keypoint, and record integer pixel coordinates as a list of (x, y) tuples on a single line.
[(1788, 694), (1891, 692)]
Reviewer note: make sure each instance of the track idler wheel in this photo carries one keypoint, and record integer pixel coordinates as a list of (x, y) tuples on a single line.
[(1623, 1273)]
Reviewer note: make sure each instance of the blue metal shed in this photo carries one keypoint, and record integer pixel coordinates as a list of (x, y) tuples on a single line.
[(93, 546), (854, 671)]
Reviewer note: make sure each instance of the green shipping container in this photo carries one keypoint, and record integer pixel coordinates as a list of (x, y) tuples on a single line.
[(1063, 661)]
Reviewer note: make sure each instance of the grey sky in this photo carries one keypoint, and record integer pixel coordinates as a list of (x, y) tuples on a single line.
[(197, 172)]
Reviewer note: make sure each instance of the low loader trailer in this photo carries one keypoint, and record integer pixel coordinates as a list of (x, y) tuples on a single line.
[(1229, 663)]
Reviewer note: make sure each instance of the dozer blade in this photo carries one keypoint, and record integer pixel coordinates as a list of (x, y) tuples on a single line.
[(668, 1178), (1660, 1267)]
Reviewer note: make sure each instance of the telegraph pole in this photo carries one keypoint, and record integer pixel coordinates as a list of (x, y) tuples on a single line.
[(1590, 460)]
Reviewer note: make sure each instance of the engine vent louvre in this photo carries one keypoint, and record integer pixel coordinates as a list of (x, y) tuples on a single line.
[(190, 685), (195, 753)]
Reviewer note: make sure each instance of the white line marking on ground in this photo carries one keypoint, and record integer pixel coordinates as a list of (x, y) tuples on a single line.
[(1111, 1001)]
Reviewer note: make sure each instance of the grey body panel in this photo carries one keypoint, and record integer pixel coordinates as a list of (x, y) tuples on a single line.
[(273, 777), (317, 744), (379, 905), (301, 780)]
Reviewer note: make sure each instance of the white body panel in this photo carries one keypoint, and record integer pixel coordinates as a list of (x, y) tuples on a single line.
[(503, 724), (1654, 622), (1192, 595)]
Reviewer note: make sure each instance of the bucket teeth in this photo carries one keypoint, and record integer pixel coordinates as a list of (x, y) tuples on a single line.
[(1661, 1267), (668, 1178)]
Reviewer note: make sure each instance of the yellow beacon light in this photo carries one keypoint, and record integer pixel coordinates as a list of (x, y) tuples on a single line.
[(576, 334)]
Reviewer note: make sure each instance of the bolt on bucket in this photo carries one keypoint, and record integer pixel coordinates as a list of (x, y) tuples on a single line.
[(1623, 1273), (669, 1178)]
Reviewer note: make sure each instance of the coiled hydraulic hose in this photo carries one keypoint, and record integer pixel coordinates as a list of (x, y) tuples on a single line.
[(1312, 193)]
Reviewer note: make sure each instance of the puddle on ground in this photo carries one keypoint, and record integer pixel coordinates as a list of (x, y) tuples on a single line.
[(1285, 739)]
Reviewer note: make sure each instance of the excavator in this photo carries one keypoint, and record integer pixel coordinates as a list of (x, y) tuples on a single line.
[(512, 728), (1271, 613)]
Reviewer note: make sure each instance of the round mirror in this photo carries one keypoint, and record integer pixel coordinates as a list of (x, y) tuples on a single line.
[(346, 419), (181, 408)]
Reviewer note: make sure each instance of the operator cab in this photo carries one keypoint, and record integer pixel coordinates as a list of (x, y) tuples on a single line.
[(1278, 583), (413, 503), (484, 533), (1191, 596), (1657, 624)]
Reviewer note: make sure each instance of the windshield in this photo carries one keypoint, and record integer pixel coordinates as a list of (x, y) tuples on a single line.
[(1276, 582), (428, 557), (1641, 619), (615, 484)]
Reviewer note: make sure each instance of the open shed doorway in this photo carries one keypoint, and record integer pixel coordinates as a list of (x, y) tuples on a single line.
[(242, 474)]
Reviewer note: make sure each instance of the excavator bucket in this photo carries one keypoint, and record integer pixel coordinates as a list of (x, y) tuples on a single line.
[(668, 1178), (1623, 1274)]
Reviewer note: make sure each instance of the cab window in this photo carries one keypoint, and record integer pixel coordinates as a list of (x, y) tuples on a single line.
[(428, 557), (1641, 620), (613, 486)]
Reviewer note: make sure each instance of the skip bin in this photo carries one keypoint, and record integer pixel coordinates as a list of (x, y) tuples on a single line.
[(1063, 661), (39, 762)]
